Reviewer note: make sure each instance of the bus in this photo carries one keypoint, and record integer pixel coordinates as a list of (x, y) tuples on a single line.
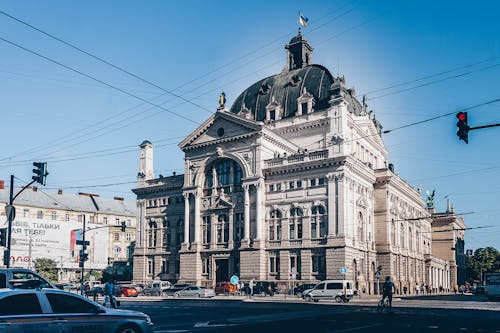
[(492, 286)]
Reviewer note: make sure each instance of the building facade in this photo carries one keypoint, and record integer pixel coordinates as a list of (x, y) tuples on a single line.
[(291, 183), (47, 225)]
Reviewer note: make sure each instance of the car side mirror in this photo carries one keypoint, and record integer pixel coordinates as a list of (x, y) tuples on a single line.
[(99, 310)]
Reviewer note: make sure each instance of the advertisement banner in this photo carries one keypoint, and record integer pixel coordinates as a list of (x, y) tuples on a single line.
[(54, 239)]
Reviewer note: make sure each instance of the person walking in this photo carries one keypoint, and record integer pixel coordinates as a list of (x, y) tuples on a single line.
[(109, 294), (250, 287), (388, 288)]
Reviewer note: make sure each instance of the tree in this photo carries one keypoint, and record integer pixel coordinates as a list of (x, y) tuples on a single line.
[(484, 260), (47, 268)]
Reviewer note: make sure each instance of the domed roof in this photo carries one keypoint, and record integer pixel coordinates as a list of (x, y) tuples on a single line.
[(286, 87)]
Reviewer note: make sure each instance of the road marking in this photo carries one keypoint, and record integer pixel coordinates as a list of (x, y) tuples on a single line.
[(170, 331), (356, 328), (435, 327)]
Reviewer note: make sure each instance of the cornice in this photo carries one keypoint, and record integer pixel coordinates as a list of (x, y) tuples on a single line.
[(326, 163)]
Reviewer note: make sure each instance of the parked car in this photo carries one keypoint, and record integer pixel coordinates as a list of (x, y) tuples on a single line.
[(22, 279), (298, 290), (175, 288), (53, 310), (157, 288), (480, 290), (225, 288), (127, 291), (263, 288), (340, 290), (195, 291)]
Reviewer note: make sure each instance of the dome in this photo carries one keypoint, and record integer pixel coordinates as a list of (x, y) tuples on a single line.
[(285, 88)]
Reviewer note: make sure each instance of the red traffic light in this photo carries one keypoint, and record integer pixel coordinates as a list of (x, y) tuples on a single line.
[(462, 116)]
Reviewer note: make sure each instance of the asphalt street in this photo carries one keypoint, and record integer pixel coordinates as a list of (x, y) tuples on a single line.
[(268, 314)]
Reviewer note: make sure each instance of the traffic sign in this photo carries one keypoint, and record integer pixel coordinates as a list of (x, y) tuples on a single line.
[(234, 280), (80, 242), (10, 212), (377, 275), (342, 270)]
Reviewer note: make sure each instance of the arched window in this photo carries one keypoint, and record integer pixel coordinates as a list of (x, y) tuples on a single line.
[(318, 222), (226, 172), (166, 234), (275, 225), (393, 232), (410, 239), (296, 223), (361, 227)]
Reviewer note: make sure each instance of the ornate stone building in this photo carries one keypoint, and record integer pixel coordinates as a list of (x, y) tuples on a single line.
[(291, 182)]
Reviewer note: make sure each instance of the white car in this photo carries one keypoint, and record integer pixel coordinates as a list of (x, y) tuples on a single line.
[(195, 291), (56, 311), (339, 290)]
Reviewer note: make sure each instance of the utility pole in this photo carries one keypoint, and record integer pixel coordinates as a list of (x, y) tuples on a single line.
[(82, 259)]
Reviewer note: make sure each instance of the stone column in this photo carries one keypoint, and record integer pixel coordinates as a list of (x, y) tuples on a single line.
[(197, 225), (332, 205), (186, 218), (259, 186), (231, 229), (246, 215)]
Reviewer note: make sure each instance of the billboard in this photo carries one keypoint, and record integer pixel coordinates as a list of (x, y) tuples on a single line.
[(55, 239)]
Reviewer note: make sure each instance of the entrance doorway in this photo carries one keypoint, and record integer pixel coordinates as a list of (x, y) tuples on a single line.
[(221, 270)]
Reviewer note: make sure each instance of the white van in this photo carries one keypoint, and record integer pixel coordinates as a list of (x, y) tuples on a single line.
[(157, 288), (339, 290)]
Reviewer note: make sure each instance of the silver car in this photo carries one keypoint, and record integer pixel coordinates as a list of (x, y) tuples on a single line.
[(57, 311), (195, 291)]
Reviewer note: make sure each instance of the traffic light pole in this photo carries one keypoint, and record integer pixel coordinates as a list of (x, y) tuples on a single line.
[(10, 217), (485, 126)]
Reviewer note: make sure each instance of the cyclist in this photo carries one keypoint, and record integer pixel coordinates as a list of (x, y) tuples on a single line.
[(387, 291)]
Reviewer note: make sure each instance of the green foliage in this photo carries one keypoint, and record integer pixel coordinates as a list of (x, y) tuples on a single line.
[(118, 272), (47, 268), (485, 260)]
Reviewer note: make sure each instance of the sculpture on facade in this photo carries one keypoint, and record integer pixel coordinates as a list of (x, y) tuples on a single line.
[(430, 198)]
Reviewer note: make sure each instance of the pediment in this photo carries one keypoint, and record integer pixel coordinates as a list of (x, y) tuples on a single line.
[(220, 127)]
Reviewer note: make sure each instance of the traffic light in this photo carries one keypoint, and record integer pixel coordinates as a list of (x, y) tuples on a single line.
[(83, 256), (123, 226), (3, 237), (40, 172), (463, 127)]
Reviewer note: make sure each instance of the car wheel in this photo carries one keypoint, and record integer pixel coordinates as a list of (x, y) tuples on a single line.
[(346, 300), (176, 295), (263, 293), (338, 299), (129, 329), (308, 298), (198, 295), (316, 300)]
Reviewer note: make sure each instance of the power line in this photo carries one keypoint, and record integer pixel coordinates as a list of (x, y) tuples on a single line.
[(96, 79), (121, 69)]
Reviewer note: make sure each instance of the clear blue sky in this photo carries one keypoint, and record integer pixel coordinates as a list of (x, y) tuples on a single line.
[(198, 48)]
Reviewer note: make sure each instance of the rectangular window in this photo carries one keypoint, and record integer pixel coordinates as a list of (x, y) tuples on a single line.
[(313, 182), (80, 218), (66, 217), (292, 230), (105, 220), (271, 188), (151, 267), (26, 212), (291, 185), (299, 183), (321, 181), (318, 264), (54, 215), (206, 266), (128, 236), (164, 267), (274, 264), (39, 214), (91, 219), (117, 221), (117, 236), (278, 187), (129, 223), (272, 115)]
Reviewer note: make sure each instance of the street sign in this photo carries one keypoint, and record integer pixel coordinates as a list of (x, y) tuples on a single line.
[(377, 275), (80, 242), (234, 280), (342, 270), (10, 212)]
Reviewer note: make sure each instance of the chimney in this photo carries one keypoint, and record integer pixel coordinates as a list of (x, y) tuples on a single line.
[(60, 191), (2, 184), (35, 189), (118, 198)]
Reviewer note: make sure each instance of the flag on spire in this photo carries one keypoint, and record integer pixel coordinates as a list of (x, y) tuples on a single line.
[(303, 20)]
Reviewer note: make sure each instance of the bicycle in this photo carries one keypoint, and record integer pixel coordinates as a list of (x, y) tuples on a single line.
[(383, 305)]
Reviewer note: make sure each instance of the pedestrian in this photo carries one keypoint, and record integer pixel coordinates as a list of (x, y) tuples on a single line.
[(108, 294), (86, 290), (250, 287), (416, 289), (405, 290), (242, 288)]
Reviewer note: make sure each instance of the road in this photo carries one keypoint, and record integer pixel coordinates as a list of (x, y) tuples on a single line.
[(279, 315)]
